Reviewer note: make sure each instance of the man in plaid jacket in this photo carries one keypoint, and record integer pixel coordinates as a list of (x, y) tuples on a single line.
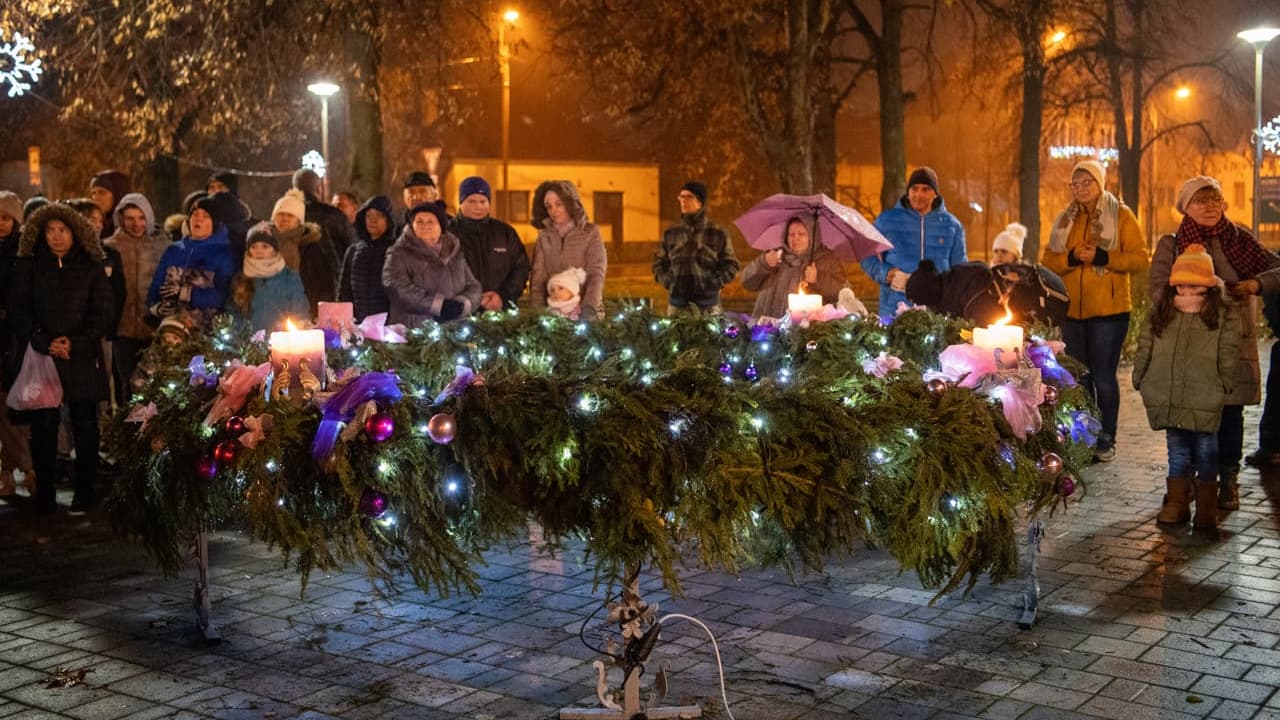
[(696, 257)]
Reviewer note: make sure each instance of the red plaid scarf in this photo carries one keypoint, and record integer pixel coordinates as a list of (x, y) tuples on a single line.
[(1246, 256)]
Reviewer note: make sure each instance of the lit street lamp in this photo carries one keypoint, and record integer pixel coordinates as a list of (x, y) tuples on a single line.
[(1258, 38), (324, 90), (504, 65)]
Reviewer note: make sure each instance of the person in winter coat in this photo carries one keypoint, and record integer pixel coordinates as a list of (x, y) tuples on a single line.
[(1185, 369), (106, 190), (15, 448), (920, 228), (983, 294), (492, 248), (1248, 269), (111, 265), (139, 245), (231, 213), (776, 273), (425, 274), (419, 187), (194, 273), (566, 238), (361, 280), (1095, 244), (266, 292), (695, 260), (301, 244), (336, 233), (60, 304), (564, 292)]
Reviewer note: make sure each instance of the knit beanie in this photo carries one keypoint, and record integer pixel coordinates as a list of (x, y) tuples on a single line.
[(570, 279), (434, 208), (293, 203), (262, 232), (210, 206), (1193, 267), (117, 182), (1192, 186), (11, 205), (227, 178), (418, 177), (924, 176), (1011, 239), (698, 189), (1095, 169), (474, 185)]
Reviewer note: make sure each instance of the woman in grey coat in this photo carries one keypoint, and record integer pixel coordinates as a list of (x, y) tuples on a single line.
[(425, 274), (566, 239)]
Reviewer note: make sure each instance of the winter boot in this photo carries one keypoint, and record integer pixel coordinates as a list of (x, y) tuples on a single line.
[(1176, 507), (1228, 489), (1206, 504)]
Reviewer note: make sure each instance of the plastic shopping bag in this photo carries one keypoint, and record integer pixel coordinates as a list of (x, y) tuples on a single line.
[(37, 386)]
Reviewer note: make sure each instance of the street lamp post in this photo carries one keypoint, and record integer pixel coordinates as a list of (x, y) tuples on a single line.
[(504, 65), (1182, 93), (1257, 37), (324, 90)]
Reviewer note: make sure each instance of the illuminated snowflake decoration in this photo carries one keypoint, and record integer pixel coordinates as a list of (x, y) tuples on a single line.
[(314, 161), (1271, 136), (17, 69)]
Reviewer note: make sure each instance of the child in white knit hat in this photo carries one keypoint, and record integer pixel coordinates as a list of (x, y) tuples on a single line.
[(564, 292), (1007, 247)]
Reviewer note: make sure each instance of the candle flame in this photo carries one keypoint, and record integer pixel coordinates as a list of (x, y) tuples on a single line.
[(288, 323), (802, 288), (1008, 317)]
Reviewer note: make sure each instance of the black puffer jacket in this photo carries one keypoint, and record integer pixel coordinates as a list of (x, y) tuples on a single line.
[(335, 237), (495, 255), (361, 280), (51, 297), (972, 290)]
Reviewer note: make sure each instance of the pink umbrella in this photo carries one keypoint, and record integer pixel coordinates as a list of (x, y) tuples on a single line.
[(837, 226)]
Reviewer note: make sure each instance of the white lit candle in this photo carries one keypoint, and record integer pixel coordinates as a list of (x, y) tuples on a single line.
[(802, 304), (338, 316), (293, 345), (998, 337)]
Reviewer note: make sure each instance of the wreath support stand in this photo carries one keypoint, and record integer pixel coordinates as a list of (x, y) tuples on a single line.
[(202, 602)]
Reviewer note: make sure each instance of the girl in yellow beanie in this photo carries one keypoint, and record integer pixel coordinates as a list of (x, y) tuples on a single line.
[(1185, 369)]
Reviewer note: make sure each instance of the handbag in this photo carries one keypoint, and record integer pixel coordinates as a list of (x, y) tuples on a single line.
[(37, 386)]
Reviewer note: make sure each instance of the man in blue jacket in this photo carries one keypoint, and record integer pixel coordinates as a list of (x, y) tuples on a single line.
[(919, 227)]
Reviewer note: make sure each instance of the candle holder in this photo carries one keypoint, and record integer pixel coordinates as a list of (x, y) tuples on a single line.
[(1023, 375)]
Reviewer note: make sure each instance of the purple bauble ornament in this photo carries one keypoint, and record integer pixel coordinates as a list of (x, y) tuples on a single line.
[(380, 426), (1066, 486), (372, 503), (751, 373), (235, 425), (442, 428), (206, 468), (726, 369), (732, 331)]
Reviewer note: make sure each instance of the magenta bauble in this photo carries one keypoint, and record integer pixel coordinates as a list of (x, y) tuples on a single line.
[(380, 426), (1066, 486), (373, 503), (442, 428), (235, 426)]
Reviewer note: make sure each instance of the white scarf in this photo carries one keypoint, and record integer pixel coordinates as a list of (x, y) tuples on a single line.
[(1102, 230), (255, 268)]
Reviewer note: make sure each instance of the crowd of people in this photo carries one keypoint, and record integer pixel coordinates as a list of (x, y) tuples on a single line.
[(91, 282)]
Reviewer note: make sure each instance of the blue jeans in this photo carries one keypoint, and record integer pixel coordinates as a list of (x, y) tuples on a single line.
[(1096, 342), (1192, 451)]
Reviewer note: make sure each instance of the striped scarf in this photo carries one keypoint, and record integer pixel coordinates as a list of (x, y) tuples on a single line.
[(1246, 256)]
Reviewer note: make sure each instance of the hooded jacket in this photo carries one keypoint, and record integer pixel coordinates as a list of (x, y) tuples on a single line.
[(52, 297), (1186, 375), (204, 270), (360, 282), (139, 258), (936, 235), (580, 247), (419, 279), (495, 255), (774, 284)]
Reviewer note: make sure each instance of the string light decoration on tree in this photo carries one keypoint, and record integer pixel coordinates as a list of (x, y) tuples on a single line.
[(18, 69), (623, 433)]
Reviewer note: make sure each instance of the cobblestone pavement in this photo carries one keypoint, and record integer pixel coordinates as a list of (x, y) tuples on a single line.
[(1136, 623)]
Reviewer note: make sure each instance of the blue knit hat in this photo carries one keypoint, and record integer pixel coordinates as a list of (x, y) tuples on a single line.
[(474, 185)]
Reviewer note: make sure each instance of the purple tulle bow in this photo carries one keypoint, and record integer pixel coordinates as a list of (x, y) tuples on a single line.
[(332, 338), (339, 409), (463, 378), (1042, 357), (1084, 428), (763, 331), (200, 375)]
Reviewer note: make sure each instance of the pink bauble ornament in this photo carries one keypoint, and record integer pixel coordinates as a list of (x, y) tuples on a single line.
[(442, 428), (380, 426), (1050, 465), (206, 468)]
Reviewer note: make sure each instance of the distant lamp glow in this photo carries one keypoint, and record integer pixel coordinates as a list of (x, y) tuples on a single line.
[(323, 89), (1183, 92), (314, 161), (511, 15), (1259, 35), (1058, 37)]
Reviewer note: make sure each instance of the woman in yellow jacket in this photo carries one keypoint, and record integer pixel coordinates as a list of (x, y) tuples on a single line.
[(1095, 245)]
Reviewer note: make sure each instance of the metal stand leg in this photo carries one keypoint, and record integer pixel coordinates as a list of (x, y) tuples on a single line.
[(1031, 587), (203, 611)]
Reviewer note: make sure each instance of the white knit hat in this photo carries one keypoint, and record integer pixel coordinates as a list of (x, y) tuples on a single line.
[(1011, 239), (570, 279), (293, 203), (1193, 185), (1095, 169)]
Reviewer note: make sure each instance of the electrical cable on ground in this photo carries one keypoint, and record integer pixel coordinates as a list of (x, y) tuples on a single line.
[(724, 697)]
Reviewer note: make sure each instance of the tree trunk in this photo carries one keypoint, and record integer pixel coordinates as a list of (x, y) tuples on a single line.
[(824, 145), (163, 186), (365, 113), (893, 152), (1033, 73)]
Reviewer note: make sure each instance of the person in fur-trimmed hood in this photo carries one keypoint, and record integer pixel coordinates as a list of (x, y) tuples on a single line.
[(566, 238), (426, 276), (301, 244), (61, 305)]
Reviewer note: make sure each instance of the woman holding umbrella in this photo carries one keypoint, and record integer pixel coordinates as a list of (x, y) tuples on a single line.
[(776, 273)]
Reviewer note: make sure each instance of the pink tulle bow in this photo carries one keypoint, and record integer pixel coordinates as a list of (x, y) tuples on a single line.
[(375, 327), (142, 414), (257, 426), (1020, 405), (966, 365), (882, 365), (234, 389)]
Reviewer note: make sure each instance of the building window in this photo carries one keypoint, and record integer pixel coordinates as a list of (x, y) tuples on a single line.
[(1240, 201), (607, 213), (511, 205)]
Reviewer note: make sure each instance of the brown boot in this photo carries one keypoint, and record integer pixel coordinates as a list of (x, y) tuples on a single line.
[(1176, 508), (1206, 504), (1228, 489)]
